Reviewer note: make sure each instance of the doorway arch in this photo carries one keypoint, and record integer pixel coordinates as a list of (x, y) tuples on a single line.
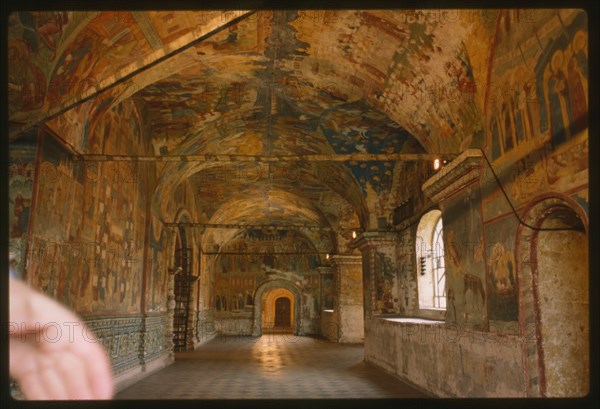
[(182, 285), (270, 291), (553, 283), (278, 309)]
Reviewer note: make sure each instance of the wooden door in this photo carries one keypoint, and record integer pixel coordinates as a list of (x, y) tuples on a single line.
[(282, 312)]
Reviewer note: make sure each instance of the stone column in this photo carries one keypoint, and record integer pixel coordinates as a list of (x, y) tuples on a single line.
[(455, 188), (348, 307), (142, 349), (326, 277), (379, 267), (170, 312), (191, 318), (328, 327)]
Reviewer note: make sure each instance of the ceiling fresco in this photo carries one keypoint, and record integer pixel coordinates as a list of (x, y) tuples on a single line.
[(60, 57), (263, 84), (221, 184)]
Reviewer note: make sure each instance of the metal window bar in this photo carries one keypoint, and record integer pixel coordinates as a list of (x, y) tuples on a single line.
[(439, 267)]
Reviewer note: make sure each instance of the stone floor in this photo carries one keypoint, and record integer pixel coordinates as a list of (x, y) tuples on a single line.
[(270, 367)]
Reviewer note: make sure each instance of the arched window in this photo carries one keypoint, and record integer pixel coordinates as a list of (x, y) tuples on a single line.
[(431, 269), (439, 268)]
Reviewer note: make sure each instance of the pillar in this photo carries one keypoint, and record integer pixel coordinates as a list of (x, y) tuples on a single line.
[(170, 311), (328, 326), (348, 300), (326, 282), (380, 272), (191, 339), (455, 188)]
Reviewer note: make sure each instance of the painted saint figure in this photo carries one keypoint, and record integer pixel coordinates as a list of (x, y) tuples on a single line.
[(577, 90), (508, 128), (558, 96), (502, 266)]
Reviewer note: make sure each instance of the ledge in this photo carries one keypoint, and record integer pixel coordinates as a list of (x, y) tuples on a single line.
[(325, 270), (460, 172), (373, 238), (402, 320), (345, 259), (452, 332)]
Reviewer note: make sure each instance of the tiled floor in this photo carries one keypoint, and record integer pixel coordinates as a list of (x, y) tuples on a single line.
[(270, 367)]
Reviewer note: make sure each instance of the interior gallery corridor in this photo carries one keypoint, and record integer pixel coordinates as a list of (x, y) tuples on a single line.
[(410, 188), (270, 367)]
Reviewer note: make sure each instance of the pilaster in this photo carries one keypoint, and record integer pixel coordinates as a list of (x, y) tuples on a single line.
[(457, 192)]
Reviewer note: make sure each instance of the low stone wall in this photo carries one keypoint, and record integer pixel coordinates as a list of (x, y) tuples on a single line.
[(445, 360), (205, 327), (234, 326), (329, 325), (351, 324)]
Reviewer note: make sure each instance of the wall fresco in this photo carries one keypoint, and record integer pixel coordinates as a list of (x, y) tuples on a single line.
[(502, 280), (536, 128), (254, 257), (87, 245), (537, 135), (466, 293), (548, 101), (21, 178), (244, 261), (156, 269), (385, 282)]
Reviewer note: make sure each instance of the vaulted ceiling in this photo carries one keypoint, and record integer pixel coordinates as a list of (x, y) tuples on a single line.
[(289, 92)]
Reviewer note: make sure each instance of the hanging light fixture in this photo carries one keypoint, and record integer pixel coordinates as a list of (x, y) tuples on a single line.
[(436, 164), (354, 234)]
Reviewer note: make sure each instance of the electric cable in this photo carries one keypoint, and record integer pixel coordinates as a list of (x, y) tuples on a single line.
[(514, 211)]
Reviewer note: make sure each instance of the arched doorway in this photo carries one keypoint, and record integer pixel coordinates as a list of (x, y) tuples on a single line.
[(554, 282), (278, 310), (265, 307), (182, 290)]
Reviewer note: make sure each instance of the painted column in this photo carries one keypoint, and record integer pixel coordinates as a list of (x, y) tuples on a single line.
[(348, 300), (380, 272), (326, 280), (456, 189), (172, 271), (328, 326), (170, 311), (191, 317)]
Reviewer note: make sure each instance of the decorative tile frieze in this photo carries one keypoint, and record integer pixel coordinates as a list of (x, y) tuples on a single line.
[(132, 340)]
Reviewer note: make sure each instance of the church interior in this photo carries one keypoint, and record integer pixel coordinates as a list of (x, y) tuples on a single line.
[(413, 182)]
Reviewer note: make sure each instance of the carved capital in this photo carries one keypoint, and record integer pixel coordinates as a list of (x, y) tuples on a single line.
[(375, 239), (459, 173), (324, 270), (338, 259)]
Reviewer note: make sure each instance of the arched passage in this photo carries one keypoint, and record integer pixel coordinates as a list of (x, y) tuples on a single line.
[(265, 297), (183, 287), (553, 291), (278, 309)]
